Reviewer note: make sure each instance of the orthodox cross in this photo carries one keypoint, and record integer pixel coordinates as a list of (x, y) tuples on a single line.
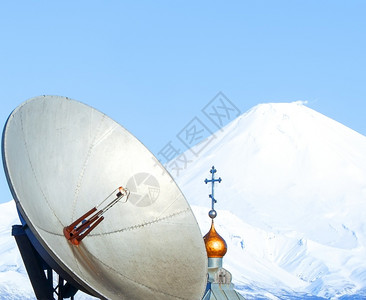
[(212, 212)]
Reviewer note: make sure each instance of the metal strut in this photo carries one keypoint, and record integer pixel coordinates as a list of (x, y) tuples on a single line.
[(80, 228), (39, 271)]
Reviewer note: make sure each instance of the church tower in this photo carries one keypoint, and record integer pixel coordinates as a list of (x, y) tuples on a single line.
[(219, 284)]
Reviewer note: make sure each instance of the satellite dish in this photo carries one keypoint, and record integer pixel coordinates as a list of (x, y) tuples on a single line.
[(63, 158)]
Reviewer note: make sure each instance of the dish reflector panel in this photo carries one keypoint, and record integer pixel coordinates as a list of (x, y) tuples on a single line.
[(62, 158)]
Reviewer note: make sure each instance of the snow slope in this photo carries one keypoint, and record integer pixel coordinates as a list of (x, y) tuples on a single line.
[(291, 206), (13, 281)]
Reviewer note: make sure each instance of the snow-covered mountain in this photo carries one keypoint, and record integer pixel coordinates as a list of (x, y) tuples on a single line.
[(293, 197), (291, 206)]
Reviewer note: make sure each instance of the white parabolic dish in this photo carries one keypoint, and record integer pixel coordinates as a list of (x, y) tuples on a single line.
[(62, 158)]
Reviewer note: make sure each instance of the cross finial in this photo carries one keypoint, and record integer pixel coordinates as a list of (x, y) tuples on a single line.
[(212, 213)]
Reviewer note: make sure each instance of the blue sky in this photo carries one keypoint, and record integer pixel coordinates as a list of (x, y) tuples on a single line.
[(152, 66)]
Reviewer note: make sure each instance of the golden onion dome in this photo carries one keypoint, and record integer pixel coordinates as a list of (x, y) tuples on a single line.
[(215, 244)]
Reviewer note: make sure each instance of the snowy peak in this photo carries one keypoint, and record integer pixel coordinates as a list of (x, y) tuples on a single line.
[(293, 119), (283, 145), (285, 131), (288, 137)]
